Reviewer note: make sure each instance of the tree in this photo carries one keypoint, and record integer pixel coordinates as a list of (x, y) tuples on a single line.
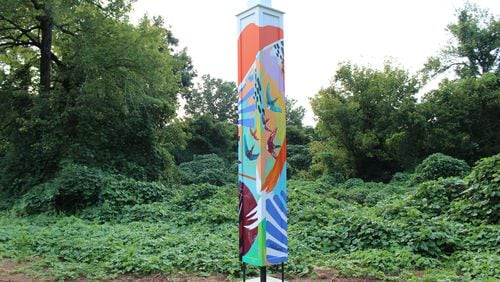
[(205, 135), (475, 47), (369, 118), (463, 113), (106, 103), (36, 25), (213, 97), (463, 117), (294, 114)]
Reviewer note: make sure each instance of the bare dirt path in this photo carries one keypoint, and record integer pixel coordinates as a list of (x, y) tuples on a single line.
[(12, 272)]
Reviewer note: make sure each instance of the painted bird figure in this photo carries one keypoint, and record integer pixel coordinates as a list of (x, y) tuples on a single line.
[(270, 102), (270, 143), (254, 134), (249, 152)]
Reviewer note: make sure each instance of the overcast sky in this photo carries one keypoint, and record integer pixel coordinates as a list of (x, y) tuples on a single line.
[(319, 34)]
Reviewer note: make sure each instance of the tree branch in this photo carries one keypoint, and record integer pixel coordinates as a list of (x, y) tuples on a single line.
[(56, 60), (26, 32), (64, 30), (7, 29)]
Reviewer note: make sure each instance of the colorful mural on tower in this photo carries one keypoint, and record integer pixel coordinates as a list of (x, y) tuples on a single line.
[(262, 145)]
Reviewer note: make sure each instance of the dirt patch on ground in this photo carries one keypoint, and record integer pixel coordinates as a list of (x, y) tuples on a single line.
[(13, 272)]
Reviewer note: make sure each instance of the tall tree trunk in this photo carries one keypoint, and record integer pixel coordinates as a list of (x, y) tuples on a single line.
[(46, 50)]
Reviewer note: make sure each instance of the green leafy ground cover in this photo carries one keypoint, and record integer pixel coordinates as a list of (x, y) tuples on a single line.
[(395, 231)]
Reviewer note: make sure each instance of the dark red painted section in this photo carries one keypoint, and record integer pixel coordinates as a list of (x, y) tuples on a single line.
[(247, 204)]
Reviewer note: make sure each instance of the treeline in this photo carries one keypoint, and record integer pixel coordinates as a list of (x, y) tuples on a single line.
[(79, 84), (84, 90), (372, 123)]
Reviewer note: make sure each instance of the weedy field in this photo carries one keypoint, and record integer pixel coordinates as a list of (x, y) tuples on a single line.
[(411, 229)]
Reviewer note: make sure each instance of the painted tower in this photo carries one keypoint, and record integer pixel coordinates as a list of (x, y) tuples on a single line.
[(262, 136)]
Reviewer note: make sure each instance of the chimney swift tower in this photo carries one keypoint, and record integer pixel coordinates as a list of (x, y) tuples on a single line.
[(262, 136)]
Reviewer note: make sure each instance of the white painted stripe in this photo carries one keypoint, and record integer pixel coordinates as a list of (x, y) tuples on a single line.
[(283, 216), (253, 225), (270, 237), (274, 253), (252, 212), (271, 220)]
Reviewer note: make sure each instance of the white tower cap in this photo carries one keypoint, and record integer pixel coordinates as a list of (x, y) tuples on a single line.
[(252, 3)]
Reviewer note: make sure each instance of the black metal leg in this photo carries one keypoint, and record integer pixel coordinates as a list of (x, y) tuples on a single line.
[(263, 274), (282, 272), (243, 268)]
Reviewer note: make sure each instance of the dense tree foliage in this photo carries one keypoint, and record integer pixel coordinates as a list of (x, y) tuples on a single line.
[(463, 117), (372, 124), (369, 117), (462, 114), (294, 113), (215, 98), (205, 135), (475, 47), (104, 104)]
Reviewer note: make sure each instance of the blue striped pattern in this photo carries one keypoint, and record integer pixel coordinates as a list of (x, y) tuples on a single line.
[(276, 229), (283, 195), (249, 122), (250, 93), (248, 109)]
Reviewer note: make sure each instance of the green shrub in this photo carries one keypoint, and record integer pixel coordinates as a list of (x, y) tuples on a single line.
[(39, 199), (153, 212), (346, 229), (187, 196), (435, 237), (483, 238), (365, 193), (442, 275), (121, 193), (299, 159), (78, 186), (219, 208), (391, 261), (401, 178), (331, 178), (376, 231), (206, 169), (429, 199), (353, 182), (440, 165), (399, 207), (184, 205), (75, 187), (481, 201), (434, 197), (477, 266), (71, 248)]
